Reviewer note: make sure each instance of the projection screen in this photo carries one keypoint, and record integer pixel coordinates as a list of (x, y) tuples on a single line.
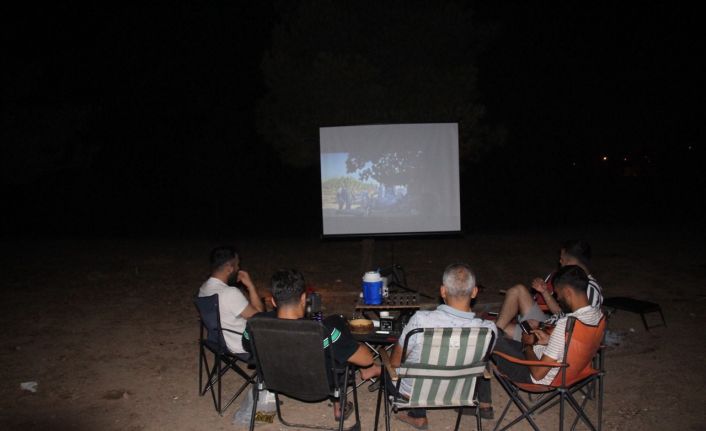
[(390, 179)]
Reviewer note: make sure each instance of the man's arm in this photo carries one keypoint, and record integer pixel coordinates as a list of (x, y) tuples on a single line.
[(396, 358), (541, 286), (256, 305), (538, 372), (361, 357)]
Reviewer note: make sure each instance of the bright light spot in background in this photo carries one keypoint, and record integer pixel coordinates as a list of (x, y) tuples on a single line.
[(605, 158), (690, 148)]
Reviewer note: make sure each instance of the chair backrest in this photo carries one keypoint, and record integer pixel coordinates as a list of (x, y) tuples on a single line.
[(290, 357), (582, 344), (451, 360), (209, 313)]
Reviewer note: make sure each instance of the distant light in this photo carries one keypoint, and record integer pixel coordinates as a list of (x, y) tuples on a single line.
[(605, 158), (625, 159), (573, 163), (690, 148)]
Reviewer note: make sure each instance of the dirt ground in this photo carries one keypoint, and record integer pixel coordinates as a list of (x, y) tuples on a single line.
[(108, 329)]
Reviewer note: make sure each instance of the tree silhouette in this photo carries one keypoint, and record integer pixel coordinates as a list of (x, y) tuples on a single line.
[(368, 62)]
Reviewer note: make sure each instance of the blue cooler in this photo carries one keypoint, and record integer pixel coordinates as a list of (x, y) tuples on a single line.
[(372, 288)]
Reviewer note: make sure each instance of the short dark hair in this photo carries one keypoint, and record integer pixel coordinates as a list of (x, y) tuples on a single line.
[(221, 255), (571, 276), (287, 286), (578, 249)]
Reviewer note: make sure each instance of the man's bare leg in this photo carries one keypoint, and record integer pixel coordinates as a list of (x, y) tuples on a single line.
[(517, 301)]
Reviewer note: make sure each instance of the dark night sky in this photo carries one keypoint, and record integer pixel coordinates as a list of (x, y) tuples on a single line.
[(134, 120)]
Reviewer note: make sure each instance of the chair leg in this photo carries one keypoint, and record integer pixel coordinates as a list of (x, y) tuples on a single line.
[(236, 394), (218, 367), (664, 322), (599, 400), (342, 400), (201, 353), (386, 403), (502, 415), (525, 410), (381, 390), (355, 402), (579, 411), (458, 417), (561, 410), (255, 396)]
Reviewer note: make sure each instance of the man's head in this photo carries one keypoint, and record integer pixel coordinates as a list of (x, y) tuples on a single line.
[(288, 290), (570, 284), (225, 263), (575, 252), (459, 284)]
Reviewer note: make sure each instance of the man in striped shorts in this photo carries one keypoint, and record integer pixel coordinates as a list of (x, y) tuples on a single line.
[(457, 291), (520, 305)]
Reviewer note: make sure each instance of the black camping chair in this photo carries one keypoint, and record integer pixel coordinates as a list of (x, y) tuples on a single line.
[(223, 359), (290, 358)]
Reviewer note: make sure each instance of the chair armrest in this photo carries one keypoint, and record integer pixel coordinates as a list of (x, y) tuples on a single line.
[(385, 358), (515, 360)]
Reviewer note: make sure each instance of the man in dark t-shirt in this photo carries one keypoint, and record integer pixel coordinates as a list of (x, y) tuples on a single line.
[(289, 298)]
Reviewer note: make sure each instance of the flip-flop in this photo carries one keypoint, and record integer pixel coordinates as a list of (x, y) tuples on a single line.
[(346, 411), (419, 427)]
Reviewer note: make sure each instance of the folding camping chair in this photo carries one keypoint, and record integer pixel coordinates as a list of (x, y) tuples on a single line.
[(223, 359), (291, 360), (452, 359), (579, 372)]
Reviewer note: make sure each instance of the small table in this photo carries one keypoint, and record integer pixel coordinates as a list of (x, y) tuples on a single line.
[(635, 306), (404, 303), (375, 342), (373, 338)]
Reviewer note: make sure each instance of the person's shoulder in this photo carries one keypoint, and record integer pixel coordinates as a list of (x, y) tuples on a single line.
[(424, 315), (335, 321), (210, 287), (483, 323)]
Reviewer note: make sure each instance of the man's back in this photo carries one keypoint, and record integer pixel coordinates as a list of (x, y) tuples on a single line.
[(335, 330), (231, 302), (443, 317)]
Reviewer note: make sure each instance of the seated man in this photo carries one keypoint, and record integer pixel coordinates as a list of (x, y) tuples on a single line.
[(518, 299), (570, 284), (457, 291), (233, 306), (289, 296)]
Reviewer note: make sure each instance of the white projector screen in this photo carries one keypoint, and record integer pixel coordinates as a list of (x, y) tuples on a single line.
[(390, 179)]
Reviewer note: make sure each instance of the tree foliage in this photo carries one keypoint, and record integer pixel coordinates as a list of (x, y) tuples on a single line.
[(333, 184), (367, 62)]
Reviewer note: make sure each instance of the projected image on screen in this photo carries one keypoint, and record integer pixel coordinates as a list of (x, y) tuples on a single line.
[(395, 178)]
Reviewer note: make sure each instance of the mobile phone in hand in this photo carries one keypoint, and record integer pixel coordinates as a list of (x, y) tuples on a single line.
[(526, 328)]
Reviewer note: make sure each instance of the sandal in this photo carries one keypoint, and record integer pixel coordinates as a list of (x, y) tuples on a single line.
[(346, 411)]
